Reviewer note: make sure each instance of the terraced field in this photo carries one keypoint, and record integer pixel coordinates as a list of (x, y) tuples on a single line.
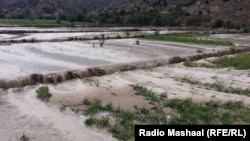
[(130, 73)]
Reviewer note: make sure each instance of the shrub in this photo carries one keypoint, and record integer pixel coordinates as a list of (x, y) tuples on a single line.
[(218, 23), (43, 93), (24, 138)]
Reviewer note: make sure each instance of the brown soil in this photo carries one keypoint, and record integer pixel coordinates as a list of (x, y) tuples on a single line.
[(122, 96)]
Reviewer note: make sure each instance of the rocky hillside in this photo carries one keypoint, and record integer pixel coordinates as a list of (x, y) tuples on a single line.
[(196, 11)]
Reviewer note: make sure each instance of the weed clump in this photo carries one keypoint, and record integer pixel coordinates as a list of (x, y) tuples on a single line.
[(189, 63), (43, 93), (240, 61), (24, 138), (188, 38), (147, 93)]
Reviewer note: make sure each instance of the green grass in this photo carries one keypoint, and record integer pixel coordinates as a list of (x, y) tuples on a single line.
[(239, 61), (123, 115), (86, 102), (183, 112), (94, 107), (221, 88), (208, 113), (217, 86), (122, 133), (153, 117), (90, 121), (103, 122), (43, 93), (120, 123), (188, 38), (191, 113), (38, 22), (24, 138), (186, 79), (123, 128), (150, 95), (189, 63)]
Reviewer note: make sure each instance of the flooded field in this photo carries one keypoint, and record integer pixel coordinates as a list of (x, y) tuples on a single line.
[(27, 58), (22, 113)]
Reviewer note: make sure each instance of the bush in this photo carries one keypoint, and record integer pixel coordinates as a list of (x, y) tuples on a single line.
[(218, 23), (43, 93), (193, 21), (24, 138), (245, 30)]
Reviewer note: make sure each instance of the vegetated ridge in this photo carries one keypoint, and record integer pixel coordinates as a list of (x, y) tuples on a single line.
[(233, 13)]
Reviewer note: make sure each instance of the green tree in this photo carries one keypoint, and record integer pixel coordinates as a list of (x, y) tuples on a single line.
[(169, 21), (228, 24), (79, 17), (58, 20), (2, 15), (63, 17), (218, 23), (122, 12), (157, 21), (71, 18)]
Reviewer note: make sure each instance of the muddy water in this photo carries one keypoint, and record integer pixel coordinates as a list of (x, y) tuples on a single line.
[(28, 58), (238, 39), (21, 112), (148, 54)]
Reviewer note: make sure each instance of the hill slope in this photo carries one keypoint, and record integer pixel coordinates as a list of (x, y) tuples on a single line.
[(236, 11)]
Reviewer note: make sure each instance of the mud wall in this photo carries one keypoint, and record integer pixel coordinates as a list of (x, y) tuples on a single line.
[(54, 78), (67, 39), (84, 29)]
